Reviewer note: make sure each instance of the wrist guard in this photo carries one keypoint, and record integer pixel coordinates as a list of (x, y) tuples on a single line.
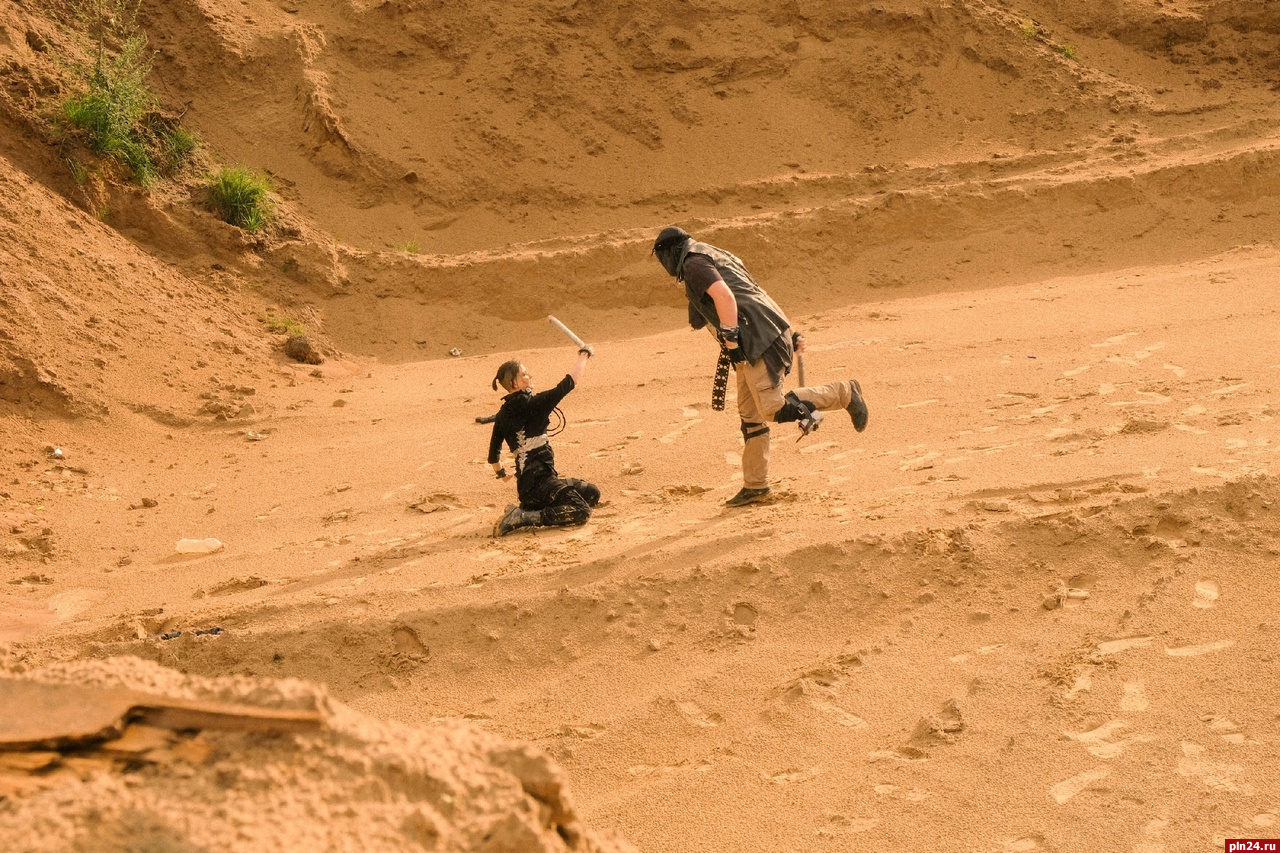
[(728, 333), (588, 349), (500, 473)]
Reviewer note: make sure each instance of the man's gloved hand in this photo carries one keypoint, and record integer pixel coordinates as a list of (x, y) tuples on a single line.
[(728, 336)]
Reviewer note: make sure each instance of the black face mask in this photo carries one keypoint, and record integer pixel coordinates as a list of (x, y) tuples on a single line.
[(670, 248)]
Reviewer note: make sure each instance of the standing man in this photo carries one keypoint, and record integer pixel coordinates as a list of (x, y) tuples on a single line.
[(756, 338)]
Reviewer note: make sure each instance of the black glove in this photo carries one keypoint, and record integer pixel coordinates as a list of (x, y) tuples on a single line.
[(736, 355)]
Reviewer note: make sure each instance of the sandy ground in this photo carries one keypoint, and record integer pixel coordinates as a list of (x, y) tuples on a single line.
[(1028, 609)]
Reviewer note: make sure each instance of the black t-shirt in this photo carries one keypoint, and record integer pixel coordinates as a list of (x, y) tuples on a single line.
[(699, 274)]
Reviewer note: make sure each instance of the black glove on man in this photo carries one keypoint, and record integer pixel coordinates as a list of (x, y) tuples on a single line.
[(729, 340)]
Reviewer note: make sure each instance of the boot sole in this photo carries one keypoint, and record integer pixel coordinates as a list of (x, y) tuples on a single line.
[(857, 407)]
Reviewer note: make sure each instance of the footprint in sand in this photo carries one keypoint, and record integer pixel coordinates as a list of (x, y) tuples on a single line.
[(902, 753), (1217, 775), (1228, 730), (744, 614), (1152, 832), (1068, 788), (1083, 684), (1112, 647), (1134, 698), (590, 731), (820, 690), (790, 775), (692, 419), (1023, 845), (695, 716), (840, 715), (1202, 649), (838, 824), (1100, 741), (1116, 339), (408, 643), (1206, 594), (911, 795)]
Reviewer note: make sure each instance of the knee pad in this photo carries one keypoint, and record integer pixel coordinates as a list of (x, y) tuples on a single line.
[(752, 430), (590, 493), (566, 515), (793, 409)]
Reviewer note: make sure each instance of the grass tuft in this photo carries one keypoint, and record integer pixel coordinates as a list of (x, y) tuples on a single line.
[(282, 325), (240, 196)]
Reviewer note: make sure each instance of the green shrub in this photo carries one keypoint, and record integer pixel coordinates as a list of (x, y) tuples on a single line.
[(114, 110), (240, 196)]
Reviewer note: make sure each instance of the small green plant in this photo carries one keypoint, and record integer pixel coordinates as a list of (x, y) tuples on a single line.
[(1029, 29), (1069, 51), (282, 325), (240, 196), (177, 146), (411, 247)]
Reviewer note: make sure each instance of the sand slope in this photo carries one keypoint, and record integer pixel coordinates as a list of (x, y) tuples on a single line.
[(1027, 609)]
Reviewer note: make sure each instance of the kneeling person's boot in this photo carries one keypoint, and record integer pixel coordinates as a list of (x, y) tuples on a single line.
[(515, 518)]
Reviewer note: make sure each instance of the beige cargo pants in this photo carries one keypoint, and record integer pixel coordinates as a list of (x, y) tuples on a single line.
[(759, 399)]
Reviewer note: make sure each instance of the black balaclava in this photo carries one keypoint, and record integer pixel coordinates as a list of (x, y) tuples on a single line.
[(670, 247)]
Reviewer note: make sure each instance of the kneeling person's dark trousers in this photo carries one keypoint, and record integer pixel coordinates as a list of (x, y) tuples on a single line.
[(564, 501), (551, 502)]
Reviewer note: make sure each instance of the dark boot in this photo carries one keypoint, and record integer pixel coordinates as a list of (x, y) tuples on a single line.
[(515, 518), (857, 407), (748, 496)]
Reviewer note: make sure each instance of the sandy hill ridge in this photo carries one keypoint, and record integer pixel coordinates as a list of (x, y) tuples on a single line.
[(1026, 610)]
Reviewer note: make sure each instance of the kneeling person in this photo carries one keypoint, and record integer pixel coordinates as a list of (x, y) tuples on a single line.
[(546, 498)]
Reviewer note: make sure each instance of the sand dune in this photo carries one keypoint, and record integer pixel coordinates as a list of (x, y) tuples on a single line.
[(1027, 609)]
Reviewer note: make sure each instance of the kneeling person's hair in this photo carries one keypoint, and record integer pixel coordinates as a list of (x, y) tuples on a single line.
[(506, 375)]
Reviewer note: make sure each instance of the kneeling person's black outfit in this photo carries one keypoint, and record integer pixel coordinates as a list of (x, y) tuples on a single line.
[(546, 498)]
